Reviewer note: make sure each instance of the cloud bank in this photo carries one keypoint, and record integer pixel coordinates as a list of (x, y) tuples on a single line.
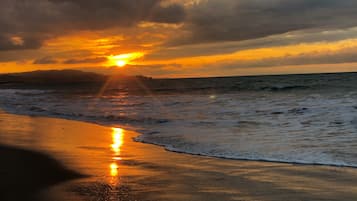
[(25, 24), (237, 20)]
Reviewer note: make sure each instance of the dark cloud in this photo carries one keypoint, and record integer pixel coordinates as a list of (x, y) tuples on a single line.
[(85, 60), (45, 60), (347, 55), (171, 14), (18, 43), (227, 47), (233, 20), (34, 21)]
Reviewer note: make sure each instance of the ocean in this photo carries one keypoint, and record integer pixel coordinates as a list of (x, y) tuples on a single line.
[(305, 119)]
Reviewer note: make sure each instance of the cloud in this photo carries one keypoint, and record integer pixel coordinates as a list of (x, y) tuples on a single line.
[(33, 21), (85, 60), (311, 58), (170, 14), (226, 47), (232, 20), (45, 60), (347, 55), (17, 43)]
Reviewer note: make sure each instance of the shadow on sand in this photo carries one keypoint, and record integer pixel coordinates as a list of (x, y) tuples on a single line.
[(23, 174)]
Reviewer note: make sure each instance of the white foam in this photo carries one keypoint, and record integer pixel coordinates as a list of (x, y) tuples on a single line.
[(306, 127)]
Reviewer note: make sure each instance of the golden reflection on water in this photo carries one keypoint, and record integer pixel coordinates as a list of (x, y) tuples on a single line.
[(117, 143), (117, 137), (113, 169)]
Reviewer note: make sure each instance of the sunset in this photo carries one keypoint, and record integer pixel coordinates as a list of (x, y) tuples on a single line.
[(124, 59), (179, 38), (178, 100)]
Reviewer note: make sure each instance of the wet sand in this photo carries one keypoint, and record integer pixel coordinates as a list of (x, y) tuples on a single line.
[(122, 169)]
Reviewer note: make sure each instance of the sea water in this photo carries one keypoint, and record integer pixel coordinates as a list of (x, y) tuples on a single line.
[(308, 119)]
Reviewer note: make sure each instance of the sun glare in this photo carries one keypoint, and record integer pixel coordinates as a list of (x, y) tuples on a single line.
[(122, 60), (114, 169), (117, 138), (121, 63)]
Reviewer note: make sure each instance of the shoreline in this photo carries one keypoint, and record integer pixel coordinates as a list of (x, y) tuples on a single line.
[(123, 169), (248, 160), (131, 128)]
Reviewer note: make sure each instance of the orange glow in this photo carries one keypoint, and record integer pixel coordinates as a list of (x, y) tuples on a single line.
[(117, 143), (318, 48), (123, 59), (16, 40), (121, 63), (113, 169), (117, 137), (135, 46)]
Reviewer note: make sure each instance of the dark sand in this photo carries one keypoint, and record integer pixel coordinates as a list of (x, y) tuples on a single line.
[(125, 170), (24, 174)]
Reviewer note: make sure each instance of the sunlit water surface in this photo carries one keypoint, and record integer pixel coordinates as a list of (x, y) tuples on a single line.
[(299, 119), (89, 149)]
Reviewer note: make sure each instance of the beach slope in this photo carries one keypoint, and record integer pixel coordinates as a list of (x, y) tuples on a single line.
[(122, 169), (25, 173)]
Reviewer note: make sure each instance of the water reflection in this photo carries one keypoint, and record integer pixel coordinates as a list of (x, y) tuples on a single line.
[(117, 143), (114, 169), (117, 137)]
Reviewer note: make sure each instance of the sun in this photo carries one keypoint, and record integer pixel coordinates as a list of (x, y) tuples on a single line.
[(122, 60), (120, 63)]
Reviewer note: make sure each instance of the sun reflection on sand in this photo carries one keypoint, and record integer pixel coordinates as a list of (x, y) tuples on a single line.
[(117, 137), (117, 143), (113, 169)]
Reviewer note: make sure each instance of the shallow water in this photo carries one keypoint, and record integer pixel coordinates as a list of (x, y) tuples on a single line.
[(88, 149), (300, 119), (121, 169)]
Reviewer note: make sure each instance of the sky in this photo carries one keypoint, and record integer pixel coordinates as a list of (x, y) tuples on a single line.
[(179, 38)]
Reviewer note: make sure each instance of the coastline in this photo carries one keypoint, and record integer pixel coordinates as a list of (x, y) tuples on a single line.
[(138, 139), (126, 170)]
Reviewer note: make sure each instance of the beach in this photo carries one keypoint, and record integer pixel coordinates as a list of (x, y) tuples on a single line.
[(94, 162), (178, 100)]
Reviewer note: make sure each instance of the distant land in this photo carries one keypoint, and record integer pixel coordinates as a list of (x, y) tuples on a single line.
[(61, 78), (51, 77), (84, 81)]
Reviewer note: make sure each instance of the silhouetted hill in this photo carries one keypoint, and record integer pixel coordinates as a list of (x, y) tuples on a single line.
[(69, 79), (52, 77)]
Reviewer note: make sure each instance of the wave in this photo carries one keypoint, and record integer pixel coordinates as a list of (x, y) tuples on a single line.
[(175, 144), (141, 139), (103, 119), (227, 89), (285, 88), (226, 118)]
